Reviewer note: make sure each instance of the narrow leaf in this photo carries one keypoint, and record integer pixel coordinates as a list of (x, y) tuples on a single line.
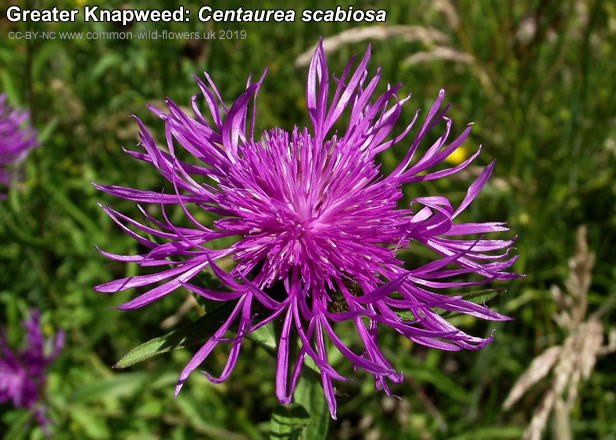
[(265, 337), (288, 422), (19, 426), (310, 395), (119, 385), (191, 334), (441, 382), (47, 130), (478, 297)]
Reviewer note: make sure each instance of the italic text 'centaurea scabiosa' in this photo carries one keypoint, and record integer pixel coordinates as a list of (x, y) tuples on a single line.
[(22, 372), (17, 137), (314, 218)]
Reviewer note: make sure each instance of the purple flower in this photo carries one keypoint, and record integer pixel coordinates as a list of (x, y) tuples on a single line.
[(22, 372), (314, 219), (17, 137)]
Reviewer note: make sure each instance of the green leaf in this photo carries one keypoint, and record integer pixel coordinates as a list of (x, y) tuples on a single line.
[(106, 62), (19, 426), (266, 338), (20, 233), (46, 52), (492, 433), (73, 210), (310, 363), (116, 386), (441, 382), (204, 423), (484, 295), (478, 297), (94, 426), (309, 394), (9, 88), (288, 422), (47, 131), (193, 333)]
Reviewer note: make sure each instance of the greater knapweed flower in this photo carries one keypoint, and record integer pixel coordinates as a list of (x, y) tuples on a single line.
[(318, 226), (17, 137), (22, 371)]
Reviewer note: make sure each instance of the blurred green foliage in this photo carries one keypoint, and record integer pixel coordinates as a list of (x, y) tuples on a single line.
[(540, 91)]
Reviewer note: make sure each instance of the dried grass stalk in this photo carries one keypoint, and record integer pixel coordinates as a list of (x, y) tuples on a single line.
[(575, 359), (438, 53), (372, 33), (537, 370)]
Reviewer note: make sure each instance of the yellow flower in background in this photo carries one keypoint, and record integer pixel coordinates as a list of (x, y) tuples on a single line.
[(458, 155)]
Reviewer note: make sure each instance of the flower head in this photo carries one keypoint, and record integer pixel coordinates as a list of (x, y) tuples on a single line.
[(22, 372), (17, 137), (318, 226)]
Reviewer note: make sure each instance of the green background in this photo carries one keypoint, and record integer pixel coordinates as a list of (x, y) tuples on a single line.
[(539, 88)]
